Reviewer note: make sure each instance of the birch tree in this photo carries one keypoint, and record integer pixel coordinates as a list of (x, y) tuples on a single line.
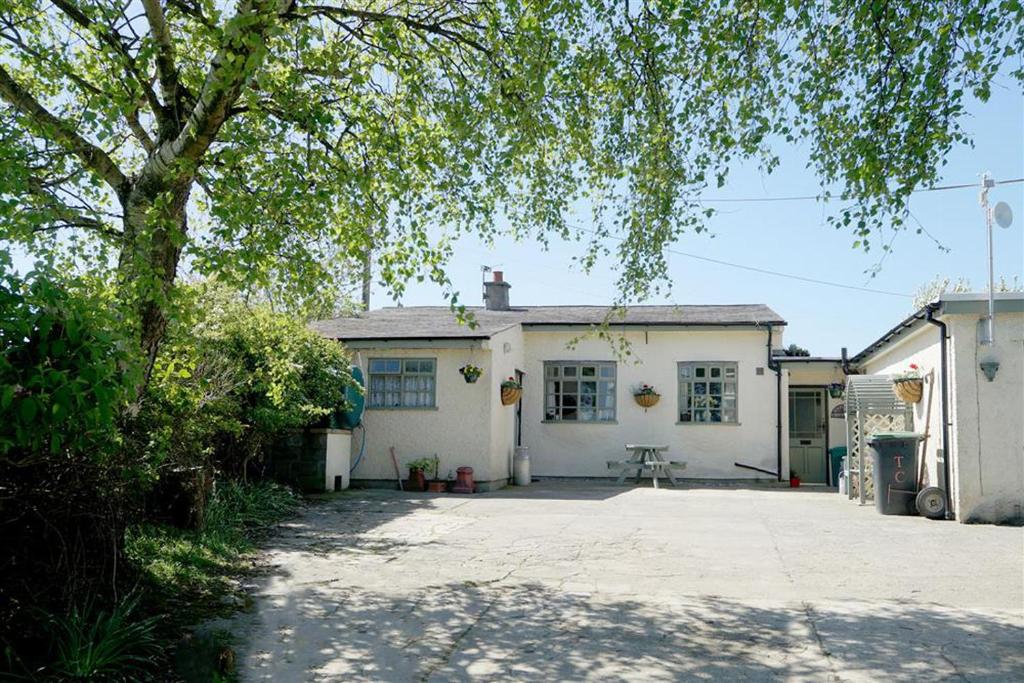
[(251, 138)]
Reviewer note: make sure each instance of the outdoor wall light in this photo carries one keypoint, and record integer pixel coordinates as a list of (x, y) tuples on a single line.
[(989, 367)]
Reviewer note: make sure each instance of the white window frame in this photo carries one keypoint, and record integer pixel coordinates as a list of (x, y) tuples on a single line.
[(407, 371), (700, 407), (559, 373)]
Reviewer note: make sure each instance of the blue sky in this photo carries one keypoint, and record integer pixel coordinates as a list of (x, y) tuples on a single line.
[(793, 237)]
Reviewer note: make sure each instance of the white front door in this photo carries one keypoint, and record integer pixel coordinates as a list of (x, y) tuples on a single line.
[(807, 424)]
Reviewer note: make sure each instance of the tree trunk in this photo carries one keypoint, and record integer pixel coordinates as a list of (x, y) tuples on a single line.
[(155, 227)]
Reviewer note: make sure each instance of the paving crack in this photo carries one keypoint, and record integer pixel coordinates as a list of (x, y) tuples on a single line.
[(445, 657), (956, 669), (808, 611)]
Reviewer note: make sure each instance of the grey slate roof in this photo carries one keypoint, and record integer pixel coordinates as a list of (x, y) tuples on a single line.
[(439, 322)]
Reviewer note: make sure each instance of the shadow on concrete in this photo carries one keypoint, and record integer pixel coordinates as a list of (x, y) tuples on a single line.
[(603, 489), (322, 623), (590, 488), (534, 632)]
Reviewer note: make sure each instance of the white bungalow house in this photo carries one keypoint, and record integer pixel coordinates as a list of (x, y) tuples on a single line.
[(731, 406)]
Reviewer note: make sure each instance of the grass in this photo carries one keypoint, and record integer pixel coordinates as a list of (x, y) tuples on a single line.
[(191, 575), (94, 644), (196, 566)]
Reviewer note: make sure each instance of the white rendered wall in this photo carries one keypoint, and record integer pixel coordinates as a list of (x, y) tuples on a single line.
[(458, 429), (988, 453), (987, 418), (506, 357), (339, 448), (582, 449), (920, 347)]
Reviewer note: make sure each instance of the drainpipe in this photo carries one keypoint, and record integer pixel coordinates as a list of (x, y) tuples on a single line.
[(944, 391), (776, 367)]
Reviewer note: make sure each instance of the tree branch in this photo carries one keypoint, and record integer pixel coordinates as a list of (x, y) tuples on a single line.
[(230, 70), (437, 28), (59, 215), (113, 40), (167, 72), (60, 131)]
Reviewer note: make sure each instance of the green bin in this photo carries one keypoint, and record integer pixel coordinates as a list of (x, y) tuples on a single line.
[(835, 462), (894, 464)]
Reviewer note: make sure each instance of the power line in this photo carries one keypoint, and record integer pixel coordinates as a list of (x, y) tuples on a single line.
[(763, 271), (818, 197), (802, 278)]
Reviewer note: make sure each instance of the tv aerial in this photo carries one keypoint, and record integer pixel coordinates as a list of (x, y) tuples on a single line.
[(1002, 215)]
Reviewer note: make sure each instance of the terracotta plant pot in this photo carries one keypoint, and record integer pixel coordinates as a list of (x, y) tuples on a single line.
[(510, 396), (437, 486), (464, 480), (794, 482), (647, 400), (909, 390), (417, 480)]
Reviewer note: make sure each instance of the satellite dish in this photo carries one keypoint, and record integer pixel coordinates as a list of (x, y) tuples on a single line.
[(1003, 215)]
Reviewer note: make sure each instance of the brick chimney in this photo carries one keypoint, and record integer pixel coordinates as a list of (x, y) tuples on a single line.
[(496, 293)]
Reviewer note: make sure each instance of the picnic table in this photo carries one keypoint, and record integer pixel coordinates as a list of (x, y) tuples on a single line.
[(647, 457)]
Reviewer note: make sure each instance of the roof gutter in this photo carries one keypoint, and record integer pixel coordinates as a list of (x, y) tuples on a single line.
[(929, 317)]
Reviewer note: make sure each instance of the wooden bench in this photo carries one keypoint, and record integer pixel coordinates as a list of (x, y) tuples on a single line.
[(655, 467)]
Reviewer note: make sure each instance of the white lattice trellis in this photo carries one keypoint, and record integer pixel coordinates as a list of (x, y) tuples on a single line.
[(872, 424), (871, 407)]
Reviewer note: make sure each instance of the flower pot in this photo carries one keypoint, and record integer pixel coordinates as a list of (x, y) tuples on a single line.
[(470, 376), (909, 390), (835, 392), (794, 482), (464, 480), (437, 486), (647, 400), (417, 480), (510, 395)]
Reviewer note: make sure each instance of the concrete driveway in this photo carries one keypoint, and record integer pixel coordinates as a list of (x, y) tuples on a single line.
[(559, 582)]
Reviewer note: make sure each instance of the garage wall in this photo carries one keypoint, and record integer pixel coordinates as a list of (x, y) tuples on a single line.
[(582, 449), (987, 430), (988, 461)]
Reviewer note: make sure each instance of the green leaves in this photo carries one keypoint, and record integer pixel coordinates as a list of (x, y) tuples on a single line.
[(330, 132), (233, 377), (64, 375)]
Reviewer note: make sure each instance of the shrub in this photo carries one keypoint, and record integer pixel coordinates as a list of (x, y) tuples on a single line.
[(231, 378), (66, 482), (65, 372)]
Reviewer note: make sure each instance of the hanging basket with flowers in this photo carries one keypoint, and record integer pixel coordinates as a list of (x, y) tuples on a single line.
[(836, 390), (471, 373), (909, 385), (646, 396), (511, 391)]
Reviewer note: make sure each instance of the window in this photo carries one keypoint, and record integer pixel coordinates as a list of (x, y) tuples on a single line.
[(579, 392), (707, 392), (402, 382)]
